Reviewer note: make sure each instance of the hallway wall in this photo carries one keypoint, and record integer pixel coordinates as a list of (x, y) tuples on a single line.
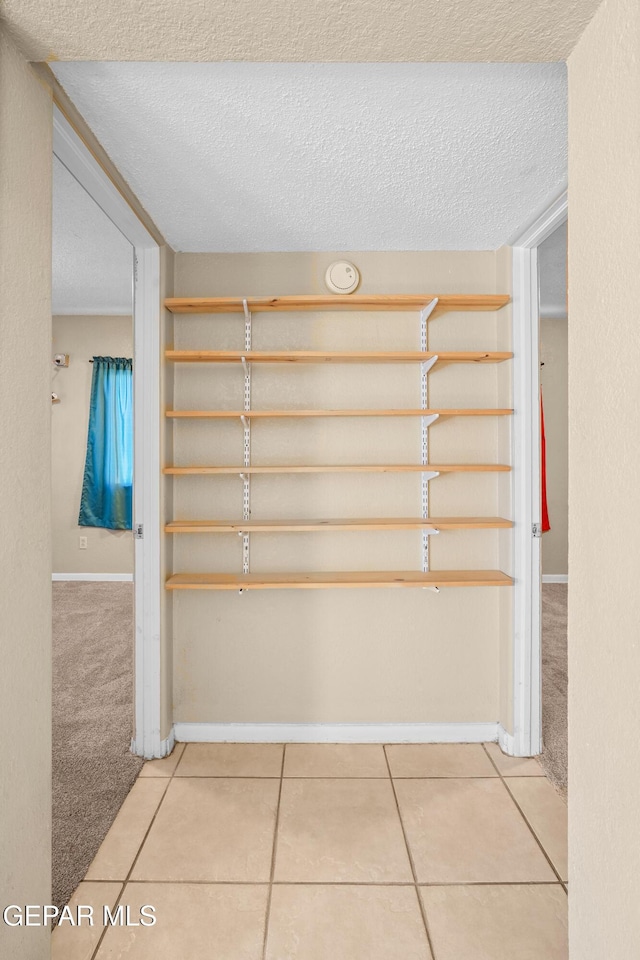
[(338, 655), (604, 464), (554, 381), (82, 337), (25, 496)]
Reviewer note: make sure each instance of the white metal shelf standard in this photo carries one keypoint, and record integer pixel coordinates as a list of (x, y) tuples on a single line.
[(425, 423), (246, 424)]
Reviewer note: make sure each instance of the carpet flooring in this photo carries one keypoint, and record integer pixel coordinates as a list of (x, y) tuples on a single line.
[(554, 684), (93, 769)]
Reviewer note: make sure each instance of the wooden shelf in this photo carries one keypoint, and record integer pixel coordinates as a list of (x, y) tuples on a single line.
[(279, 414), (303, 526), (318, 356), (356, 578), (344, 468), (446, 302)]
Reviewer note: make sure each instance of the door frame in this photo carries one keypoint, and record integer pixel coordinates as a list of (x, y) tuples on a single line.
[(73, 153), (526, 737)]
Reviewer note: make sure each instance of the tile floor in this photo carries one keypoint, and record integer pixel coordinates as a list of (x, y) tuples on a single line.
[(332, 852)]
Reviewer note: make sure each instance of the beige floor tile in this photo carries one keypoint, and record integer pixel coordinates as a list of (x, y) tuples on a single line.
[(231, 760), (194, 922), (335, 760), (463, 831), (121, 844), (79, 942), (346, 923), (340, 830), (439, 760), (164, 767), (546, 811), (212, 829), (497, 922), (514, 766)]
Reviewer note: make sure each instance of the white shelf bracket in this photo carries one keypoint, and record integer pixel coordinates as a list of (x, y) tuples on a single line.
[(425, 423), (428, 364), (246, 424), (426, 313)]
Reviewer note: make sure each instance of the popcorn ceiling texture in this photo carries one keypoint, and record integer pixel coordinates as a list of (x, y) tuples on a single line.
[(307, 157), (92, 261), (278, 30)]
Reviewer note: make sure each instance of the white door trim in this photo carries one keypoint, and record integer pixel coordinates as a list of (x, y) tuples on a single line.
[(526, 738), (71, 150)]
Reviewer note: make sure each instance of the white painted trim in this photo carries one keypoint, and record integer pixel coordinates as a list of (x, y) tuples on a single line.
[(526, 739), (542, 224), (505, 741), (146, 499), (555, 578), (96, 577), (335, 732), (69, 148)]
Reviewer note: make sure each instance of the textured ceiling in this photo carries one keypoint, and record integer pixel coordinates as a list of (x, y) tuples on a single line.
[(92, 261), (552, 266), (305, 30), (285, 157)]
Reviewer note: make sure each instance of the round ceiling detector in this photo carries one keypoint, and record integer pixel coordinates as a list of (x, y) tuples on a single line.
[(342, 277)]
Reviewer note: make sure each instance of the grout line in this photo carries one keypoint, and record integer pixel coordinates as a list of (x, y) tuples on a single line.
[(180, 759), (522, 814), (421, 906), (273, 857), (135, 860), (347, 883)]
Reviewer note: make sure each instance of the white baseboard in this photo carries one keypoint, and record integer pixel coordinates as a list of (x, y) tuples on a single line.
[(125, 577), (335, 732), (555, 578)]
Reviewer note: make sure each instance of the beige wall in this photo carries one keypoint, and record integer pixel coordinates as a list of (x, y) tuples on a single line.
[(604, 465), (554, 381), (108, 551), (167, 258), (348, 655), (25, 497), (504, 284)]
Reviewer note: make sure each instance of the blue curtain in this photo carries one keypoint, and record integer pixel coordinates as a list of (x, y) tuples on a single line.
[(108, 471)]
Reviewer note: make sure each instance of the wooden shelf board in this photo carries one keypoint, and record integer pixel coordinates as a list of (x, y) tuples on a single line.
[(318, 356), (362, 302), (293, 526), (279, 414), (357, 578), (343, 468)]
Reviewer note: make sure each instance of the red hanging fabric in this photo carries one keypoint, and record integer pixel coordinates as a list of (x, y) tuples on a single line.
[(543, 468)]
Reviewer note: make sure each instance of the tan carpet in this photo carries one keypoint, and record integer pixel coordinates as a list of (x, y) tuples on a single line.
[(93, 769), (554, 683)]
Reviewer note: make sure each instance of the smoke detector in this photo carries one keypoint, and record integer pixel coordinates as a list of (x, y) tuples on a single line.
[(342, 277)]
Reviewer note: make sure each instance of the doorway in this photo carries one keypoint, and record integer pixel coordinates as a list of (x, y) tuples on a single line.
[(106, 645), (93, 768), (552, 281)]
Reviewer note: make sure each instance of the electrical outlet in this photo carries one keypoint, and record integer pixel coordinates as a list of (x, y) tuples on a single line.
[(82, 543)]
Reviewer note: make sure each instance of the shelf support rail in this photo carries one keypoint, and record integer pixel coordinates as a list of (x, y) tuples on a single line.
[(246, 426), (425, 423)]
